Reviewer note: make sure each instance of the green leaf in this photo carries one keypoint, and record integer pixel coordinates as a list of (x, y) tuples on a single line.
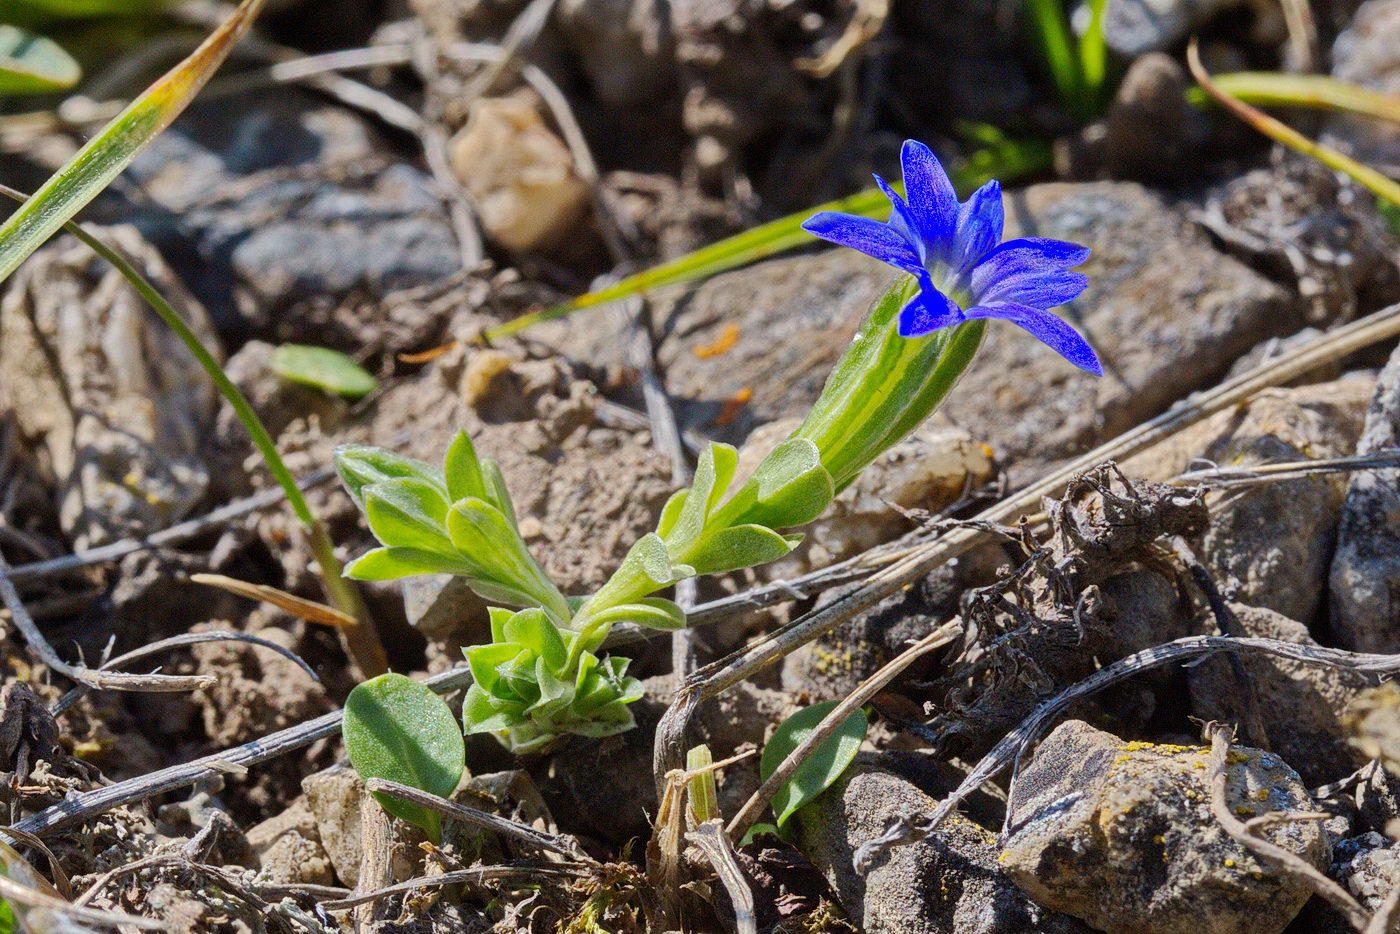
[(755, 830), (31, 64), (704, 792), (740, 546), (713, 472), (652, 612), (387, 564), (532, 629), (409, 513), (362, 465), (39, 10), (480, 715), (1276, 89), (493, 546), (671, 512), (1381, 185), (496, 492), (398, 729), (486, 662), (1052, 32), (111, 150), (789, 488), (462, 470), (323, 368), (823, 767)]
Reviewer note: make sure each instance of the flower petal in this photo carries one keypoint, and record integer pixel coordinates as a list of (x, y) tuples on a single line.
[(1038, 288), (870, 237), (1031, 271), (980, 221), (932, 200), (1048, 328), (902, 219), (929, 311)]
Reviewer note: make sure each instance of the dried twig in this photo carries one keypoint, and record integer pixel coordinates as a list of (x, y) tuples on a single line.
[(524, 871), (1290, 863), (188, 638), (555, 843), (100, 680), (873, 685), (711, 840), (180, 532)]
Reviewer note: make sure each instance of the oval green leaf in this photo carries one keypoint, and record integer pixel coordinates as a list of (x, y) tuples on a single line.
[(397, 729), (323, 368), (823, 767), (31, 64)]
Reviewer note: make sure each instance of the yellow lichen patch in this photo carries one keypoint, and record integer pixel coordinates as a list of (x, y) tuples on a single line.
[(1244, 810), (1229, 863), (1261, 795)]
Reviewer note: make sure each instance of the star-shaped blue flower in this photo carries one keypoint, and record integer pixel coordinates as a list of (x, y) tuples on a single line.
[(964, 270)]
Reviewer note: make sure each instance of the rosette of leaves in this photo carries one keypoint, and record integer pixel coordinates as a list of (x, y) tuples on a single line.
[(455, 520), (534, 682)]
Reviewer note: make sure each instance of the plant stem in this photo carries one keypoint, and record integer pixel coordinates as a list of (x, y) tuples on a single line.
[(361, 642)]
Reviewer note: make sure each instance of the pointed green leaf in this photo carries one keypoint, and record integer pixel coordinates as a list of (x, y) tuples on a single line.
[(386, 564), (462, 470), (409, 513), (671, 512), (362, 465), (31, 64), (823, 767), (323, 368), (741, 546), (532, 629), (652, 612), (488, 540), (398, 729), (496, 492), (485, 662), (789, 488), (480, 715), (104, 157)]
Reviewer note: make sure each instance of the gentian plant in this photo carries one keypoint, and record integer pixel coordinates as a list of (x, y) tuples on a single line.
[(543, 675)]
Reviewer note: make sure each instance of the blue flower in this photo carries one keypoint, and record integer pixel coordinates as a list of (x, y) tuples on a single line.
[(964, 270)]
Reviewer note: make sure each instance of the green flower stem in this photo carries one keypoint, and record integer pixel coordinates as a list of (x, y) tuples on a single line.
[(362, 641)]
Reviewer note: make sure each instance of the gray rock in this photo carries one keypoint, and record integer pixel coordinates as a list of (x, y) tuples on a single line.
[(1167, 312), (1365, 574), (1151, 132), (1369, 867), (1300, 706), (288, 848), (625, 47), (1368, 54), (949, 884), (1303, 223), (108, 392), (1122, 836), (1271, 545), (1142, 609), (286, 202), (1134, 27), (333, 796)]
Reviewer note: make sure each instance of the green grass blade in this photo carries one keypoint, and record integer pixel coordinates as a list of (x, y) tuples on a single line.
[(1275, 89), (111, 150), (1002, 158), (31, 64), (1052, 33), (1093, 55), (1381, 186)]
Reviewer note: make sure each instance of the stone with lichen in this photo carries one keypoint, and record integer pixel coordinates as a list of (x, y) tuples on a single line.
[(1121, 834)]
